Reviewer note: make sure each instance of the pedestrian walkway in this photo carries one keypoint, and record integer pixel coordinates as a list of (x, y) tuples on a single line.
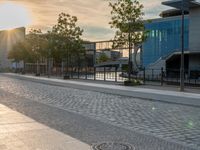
[(185, 98), (95, 117), (18, 132)]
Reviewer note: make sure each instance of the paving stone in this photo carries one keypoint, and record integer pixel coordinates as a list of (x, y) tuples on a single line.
[(169, 121), (33, 135)]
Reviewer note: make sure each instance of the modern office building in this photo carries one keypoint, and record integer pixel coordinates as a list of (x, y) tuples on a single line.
[(7, 39), (163, 45)]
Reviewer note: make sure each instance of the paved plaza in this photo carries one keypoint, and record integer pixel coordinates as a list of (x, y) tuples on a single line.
[(146, 124), (18, 132)]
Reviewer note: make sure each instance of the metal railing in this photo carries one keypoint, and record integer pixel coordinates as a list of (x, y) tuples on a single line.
[(147, 76)]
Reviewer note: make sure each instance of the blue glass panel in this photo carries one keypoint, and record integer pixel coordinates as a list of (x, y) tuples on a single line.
[(163, 39)]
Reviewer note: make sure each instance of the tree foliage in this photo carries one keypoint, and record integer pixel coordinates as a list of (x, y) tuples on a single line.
[(17, 51), (20, 52), (103, 58), (66, 36), (62, 42), (37, 44), (127, 18), (31, 49)]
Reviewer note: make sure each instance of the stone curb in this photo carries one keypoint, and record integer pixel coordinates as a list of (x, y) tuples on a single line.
[(182, 98)]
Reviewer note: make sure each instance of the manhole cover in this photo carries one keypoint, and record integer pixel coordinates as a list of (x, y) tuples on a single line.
[(112, 146)]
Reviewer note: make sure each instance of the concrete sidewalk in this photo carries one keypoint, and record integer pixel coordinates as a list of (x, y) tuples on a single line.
[(18, 132), (184, 98)]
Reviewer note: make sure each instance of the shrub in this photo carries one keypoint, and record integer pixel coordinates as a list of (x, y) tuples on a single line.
[(133, 82)]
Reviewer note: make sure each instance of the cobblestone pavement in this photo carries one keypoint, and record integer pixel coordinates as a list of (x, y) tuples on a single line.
[(168, 121)]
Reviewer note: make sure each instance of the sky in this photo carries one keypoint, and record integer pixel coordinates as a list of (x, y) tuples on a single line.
[(93, 15)]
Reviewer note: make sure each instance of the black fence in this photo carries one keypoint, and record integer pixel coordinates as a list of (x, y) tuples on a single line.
[(146, 76), (171, 76)]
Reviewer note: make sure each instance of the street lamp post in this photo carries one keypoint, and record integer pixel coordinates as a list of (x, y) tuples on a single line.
[(182, 68), (182, 5)]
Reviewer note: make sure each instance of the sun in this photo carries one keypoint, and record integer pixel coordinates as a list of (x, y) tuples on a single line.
[(13, 15)]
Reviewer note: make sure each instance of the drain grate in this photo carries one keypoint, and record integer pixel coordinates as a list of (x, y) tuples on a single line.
[(112, 146)]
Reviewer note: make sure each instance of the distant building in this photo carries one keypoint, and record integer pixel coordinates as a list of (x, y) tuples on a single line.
[(90, 53), (111, 54), (7, 39), (163, 45), (95, 49)]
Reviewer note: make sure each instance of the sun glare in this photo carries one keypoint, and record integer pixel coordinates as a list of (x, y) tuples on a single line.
[(13, 16)]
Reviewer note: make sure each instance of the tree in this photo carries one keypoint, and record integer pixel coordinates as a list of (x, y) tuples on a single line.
[(103, 58), (20, 52), (67, 38), (15, 52), (37, 44), (32, 49), (62, 42), (127, 18)]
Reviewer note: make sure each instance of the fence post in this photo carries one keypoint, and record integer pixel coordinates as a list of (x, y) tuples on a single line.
[(62, 67), (78, 72), (162, 74), (144, 76), (152, 75), (104, 73), (86, 73), (71, 71), (94, 73), (115, 74)]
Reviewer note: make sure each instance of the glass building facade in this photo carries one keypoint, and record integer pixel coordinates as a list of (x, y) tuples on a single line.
[(164, 38)]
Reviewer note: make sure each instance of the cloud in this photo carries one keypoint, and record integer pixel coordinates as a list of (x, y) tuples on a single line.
[(93, 15)]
